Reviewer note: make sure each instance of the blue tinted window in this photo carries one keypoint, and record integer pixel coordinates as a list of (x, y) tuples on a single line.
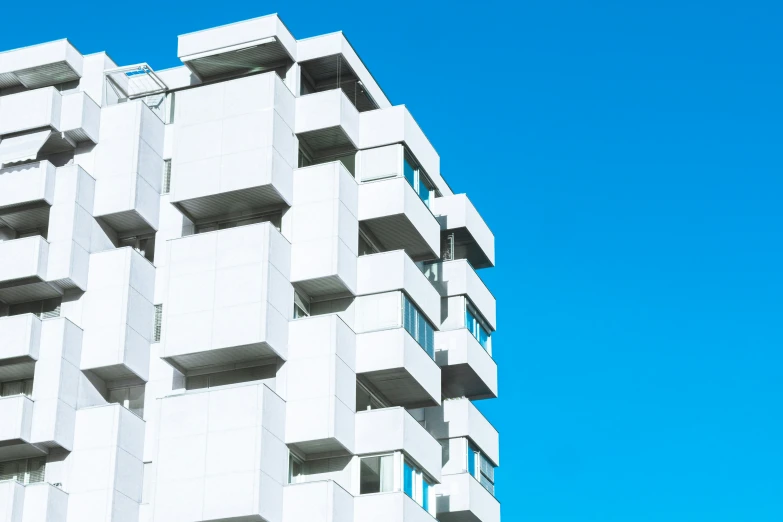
[(408, 479), (410, 174)]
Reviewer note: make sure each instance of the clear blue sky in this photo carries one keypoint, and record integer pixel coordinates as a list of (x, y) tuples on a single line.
[(629, 159)]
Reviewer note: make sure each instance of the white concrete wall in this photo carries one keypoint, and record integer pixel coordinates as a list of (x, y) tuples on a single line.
[(239, 431), (17, 414), (326, 110), (320, 387), (459, 347), (458, 212), (30, 110), (462, 495), (389, 507), (21, 335), (24, 258), (228, 289), (322, 501), (44, 503), (323, 228), (11, 501), (455, 278), (26, 183), (118, 315), (460, 418)]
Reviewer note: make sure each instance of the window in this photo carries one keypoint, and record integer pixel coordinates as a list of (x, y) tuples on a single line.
[(418, 326), (417, 179), (477, 326), (144, 245), (20, 387), (271, 217), (366, 245), (367, 400), (416, 484), (158, 322), (130, 397), (376, 474), (481, 468), (45, 309), (226, 377), (295, 469), (166, 185), (301, 306), (26, 471)]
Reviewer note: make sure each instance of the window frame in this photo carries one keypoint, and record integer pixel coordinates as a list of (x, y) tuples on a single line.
[(479, 324)]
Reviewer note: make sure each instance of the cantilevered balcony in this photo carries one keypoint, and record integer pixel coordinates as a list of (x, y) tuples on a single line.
[(11, 500), (458, 278), (43, 502), (324, 230), (466, 235), (327, 123), (21, 340), (389, 507), (244, 47), (16, 428), (318, 501), (23, 271), (394, 429), (467, 370), (238, 433), (398, 367), (398, 218), (461, 498), (460, 418), (23, 188), (41, 65), (229, 297), (234, 149)]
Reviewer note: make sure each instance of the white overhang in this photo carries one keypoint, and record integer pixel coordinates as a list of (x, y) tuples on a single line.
[(22, 148), (40, 65)]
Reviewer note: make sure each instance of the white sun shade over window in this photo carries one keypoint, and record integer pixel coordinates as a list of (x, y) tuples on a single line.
[(22, 148)]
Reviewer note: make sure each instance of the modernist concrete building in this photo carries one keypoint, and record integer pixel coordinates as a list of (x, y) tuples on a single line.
[(235, 290)]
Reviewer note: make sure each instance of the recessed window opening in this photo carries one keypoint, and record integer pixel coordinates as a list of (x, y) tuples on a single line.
[(26, 471), (420, 328), (222, 224), (418, 179), (477, 326)]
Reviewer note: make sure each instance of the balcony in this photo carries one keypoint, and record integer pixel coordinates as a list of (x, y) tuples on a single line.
[(327, 123), (320, 405), (40, 65), (394, 429), (21, 335), (401, 370), (460, 418), (229, 297), (395, 125), (23, 272), (16, 428), (472, 238), (389, 507), (118, 315), (60, 122), (461, 498), (458, 278), (43, 503), (467, 370), (127, 168), (230, 50), (321, 501), (390, 271), (234, 150), (238, 431), (11, 501), (25, 187), (324, 230), (400, 220)]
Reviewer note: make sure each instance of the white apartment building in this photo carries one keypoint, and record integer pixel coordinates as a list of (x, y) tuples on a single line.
[(235, 290)]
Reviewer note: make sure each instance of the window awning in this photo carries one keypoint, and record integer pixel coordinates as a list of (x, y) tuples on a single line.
[(22, 148)]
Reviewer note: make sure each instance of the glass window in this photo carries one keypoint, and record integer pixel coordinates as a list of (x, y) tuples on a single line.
[(295, 470), (418, 326), (26, 471), (476, 326), (424, 190), (366, 400), (158, 322), (21, 387), (408, 476), (426, 489), (410, 173), (376, 474), (481, 468), (131, 397)]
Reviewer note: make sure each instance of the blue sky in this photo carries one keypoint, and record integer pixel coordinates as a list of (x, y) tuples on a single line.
[(628, 158)]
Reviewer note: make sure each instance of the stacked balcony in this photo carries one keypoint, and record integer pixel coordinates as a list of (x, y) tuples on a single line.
[(237, 433), (234, 150), (467, 234), (229, 298)]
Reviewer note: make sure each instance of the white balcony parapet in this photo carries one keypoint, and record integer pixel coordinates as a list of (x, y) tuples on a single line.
[(324, 230), (229, 297), (246, 419), (461, 498), (396, 125), (11, 500), (24, 262), (44, 502), (399, 219), (473, 240), (460, 418), (317, 501), (467, 370), (233, 49), (26, 186), (389, 271), (234, 149), (327, 121), (394, 429), (21, 338), (40, 65), (389, 507), (401, 370), (17, 414), (454, 278)]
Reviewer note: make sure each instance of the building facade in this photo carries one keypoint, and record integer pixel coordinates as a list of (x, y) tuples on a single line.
[(235, 290)]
